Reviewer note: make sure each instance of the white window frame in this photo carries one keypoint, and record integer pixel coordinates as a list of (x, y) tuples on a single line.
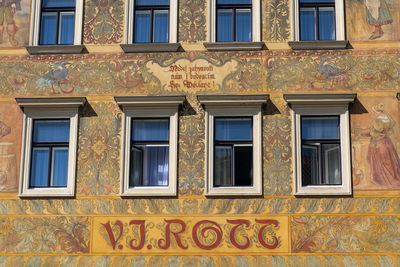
[(233, 106), (35, 22), (255, 25), (321, 105), (49, 108), (339, 19), (173, 21), (149, 107)]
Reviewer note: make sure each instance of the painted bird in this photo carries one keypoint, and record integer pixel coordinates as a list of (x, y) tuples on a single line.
[(55, 76), (334, 74)]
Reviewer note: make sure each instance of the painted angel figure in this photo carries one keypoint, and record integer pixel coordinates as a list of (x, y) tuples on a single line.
[(377, 14)]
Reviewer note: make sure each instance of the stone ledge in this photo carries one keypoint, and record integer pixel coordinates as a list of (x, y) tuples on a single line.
[(234, 46), (55, 49), (318, 45), (151, 47)]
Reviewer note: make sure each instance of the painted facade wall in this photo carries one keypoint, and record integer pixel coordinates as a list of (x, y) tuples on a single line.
[(98, 227)]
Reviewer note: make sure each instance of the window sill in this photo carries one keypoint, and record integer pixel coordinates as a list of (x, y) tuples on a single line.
[(234, 46), (151, 47), (318, 45), (55, 49)]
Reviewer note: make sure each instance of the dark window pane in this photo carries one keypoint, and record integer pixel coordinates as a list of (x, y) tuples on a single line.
[(327, 23), (243, 166), (319, 1), (231, 129), (60, 166), (51, 131), (223, 158), (224, 2), (142, 26), (320, 128), (136, 168), (58, 3), (150, 129), (67, 27), (309, 165), (152, 2), (307, 24), (39, 167), (243, 25), (48, 28), (155, 160), (161, 18), (224, 25), (331, 154)]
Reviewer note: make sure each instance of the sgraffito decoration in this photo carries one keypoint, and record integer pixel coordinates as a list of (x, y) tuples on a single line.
[(103, 22), (99, 150), (346, 234), (10, 146), (192, 21), (204, 260), (222, 72), (276, 20), (373, 20), (275, 206), (189, 235), (191, 168), (277, 151), (376, 145), (14, 22), (43, 235)]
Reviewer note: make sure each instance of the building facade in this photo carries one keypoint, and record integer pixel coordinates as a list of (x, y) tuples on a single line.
[(209, 133)]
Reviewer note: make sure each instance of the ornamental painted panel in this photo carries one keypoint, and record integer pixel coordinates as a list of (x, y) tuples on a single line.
[(10, 146), (373, 20), (14, 22), (376, 144)]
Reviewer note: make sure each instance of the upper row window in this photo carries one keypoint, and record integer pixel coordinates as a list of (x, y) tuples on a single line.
[(59, 22), (56, 22)]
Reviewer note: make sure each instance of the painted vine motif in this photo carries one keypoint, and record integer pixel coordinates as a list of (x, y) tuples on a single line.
[(192, 21), (103, 22), (345, 234), (276, 20)]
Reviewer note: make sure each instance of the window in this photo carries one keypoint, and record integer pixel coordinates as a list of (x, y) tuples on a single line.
[(149, 164), (57, 22), (235, 21), (233, 144), (321, 20), (152, 21), (322, 143), (49, 146)]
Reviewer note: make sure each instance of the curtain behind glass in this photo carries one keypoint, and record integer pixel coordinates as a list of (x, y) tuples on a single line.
[(231, 129), (48, 28), (223, 159), (51, 131), (67, 28), (224, 25), (160, 25), (142, 26), (327, 23), (58, 3), (307, 23), (60, 167), (39, 167), (243, 25), (320, 128)]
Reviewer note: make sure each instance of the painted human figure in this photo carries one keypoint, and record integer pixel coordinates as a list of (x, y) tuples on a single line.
[(382, 156), (7, 11), (378, 14)]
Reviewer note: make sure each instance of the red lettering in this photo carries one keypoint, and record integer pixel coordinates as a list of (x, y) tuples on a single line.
[(233, 232), (215, 228), (142, 234), (261, 233), (168, 232), (111, 235)]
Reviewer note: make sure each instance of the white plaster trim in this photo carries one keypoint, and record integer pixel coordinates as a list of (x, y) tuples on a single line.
[(340, 109), (35, 22), (255, 15), (234, 111), (173, 21), (339, 18), (171, 112), (31, 113)]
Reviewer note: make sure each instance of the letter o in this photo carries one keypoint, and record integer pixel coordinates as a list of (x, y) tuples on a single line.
[(215, 228)]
